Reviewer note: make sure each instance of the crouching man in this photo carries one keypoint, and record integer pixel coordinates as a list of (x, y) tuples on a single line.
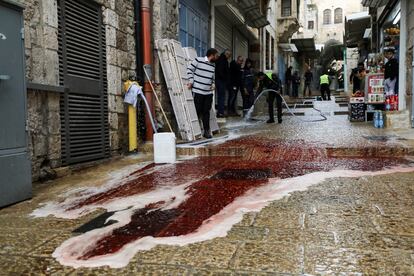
[(201, 81), (271, 81)]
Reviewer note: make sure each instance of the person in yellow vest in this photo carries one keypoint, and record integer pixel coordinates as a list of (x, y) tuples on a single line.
[(324, 85)]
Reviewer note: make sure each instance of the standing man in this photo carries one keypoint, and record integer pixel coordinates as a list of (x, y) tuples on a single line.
[(236, 73), (288, 80), (273, 82), (308, 80), (248, 83), (324, 83), (391, 72), (201, 74), (354, 78), (295, 84), (222, 80)]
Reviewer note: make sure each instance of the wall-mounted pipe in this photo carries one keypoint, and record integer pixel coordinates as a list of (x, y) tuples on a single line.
[(147, 61)]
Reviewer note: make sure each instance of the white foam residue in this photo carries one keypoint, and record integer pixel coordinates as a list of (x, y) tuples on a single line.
[(216, 226)]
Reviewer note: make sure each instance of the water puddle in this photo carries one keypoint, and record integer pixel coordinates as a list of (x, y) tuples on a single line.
[(197, 199)]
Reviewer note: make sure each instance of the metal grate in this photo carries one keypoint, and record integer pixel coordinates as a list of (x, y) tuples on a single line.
[(82, 70)]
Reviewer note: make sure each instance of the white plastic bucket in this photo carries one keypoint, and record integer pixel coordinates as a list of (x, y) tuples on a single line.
[(164, 148)]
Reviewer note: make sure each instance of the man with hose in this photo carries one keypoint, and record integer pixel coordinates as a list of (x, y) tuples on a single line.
[(271, 81)]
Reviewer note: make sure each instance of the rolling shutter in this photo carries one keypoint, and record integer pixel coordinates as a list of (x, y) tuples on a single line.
[(223, 32), (241, 45), (82, 70)]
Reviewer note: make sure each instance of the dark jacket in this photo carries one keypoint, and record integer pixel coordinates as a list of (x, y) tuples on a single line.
[(288, 75), (308, 77), (222, 68), (248, 79), (391, 69), (268, 83), (296, 79), (235, 74)]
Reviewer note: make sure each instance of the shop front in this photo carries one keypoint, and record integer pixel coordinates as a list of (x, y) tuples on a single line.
[(379, 80)]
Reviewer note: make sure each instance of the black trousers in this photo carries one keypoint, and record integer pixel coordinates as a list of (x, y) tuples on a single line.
[(231, 103), (325, 91), (307, 86), (203, 106), (271, 99)]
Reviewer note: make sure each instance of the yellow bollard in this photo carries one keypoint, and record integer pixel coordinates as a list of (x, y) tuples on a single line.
[(132, 121)]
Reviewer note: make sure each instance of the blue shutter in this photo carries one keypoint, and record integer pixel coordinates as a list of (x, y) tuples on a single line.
[(193, 27), (183, 24)]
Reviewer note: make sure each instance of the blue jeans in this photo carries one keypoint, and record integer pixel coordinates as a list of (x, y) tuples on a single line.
[(221, 95)]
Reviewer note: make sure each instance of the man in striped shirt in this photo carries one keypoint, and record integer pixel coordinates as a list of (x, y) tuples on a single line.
[(201, 81)]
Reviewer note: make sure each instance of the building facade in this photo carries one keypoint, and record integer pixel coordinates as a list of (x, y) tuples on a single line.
[(74, 79), (325, 20)]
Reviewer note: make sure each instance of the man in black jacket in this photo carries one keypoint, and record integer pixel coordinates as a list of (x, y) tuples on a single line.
[(391, 72), (274, 83), (235, 84), (288, 80), (222, 80)]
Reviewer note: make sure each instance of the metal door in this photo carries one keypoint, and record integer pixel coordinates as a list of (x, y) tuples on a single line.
[(15, 168), (82, 68)]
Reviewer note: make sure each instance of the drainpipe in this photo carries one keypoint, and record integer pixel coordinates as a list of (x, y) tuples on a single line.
[(412, 92), (138, 41), (147, 60)]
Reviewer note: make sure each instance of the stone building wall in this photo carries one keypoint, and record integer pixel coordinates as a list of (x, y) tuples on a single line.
[(164, 25), (42, 67)]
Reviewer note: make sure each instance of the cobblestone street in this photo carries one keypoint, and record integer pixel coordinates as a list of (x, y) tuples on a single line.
[(353, 225)]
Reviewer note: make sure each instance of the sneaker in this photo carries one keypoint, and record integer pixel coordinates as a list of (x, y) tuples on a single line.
[(270, 121), (220, 115), (279, 121), (207, 136)]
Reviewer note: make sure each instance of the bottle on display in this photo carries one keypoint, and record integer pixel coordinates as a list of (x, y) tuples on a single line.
[(376, 119), (380, 120), (387, 104)]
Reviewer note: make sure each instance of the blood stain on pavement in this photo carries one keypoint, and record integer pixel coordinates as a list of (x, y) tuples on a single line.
[(213, 182)]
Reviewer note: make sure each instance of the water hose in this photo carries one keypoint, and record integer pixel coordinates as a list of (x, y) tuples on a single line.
[(141, 94), (324, 118), (158, 100)]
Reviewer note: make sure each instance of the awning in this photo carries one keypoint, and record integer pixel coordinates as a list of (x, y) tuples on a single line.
[(355, 26), (304, 44), (252, 13), (234, 15), (288, 47), (306, 47), (374, 3)]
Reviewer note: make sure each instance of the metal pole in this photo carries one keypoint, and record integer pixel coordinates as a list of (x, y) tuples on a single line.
[(412, 94)]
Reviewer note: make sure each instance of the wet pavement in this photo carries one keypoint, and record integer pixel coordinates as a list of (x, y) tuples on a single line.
[(350, 208)]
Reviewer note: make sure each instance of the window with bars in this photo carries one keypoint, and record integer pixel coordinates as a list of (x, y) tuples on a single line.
[(327, 14), (286, 8), (338, 16), (193, 29), (311, 25)]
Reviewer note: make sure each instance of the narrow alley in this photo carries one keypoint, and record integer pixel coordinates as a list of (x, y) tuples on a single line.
[(219, 137)]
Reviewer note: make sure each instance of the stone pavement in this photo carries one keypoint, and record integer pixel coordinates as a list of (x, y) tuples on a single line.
[(346, 226)]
